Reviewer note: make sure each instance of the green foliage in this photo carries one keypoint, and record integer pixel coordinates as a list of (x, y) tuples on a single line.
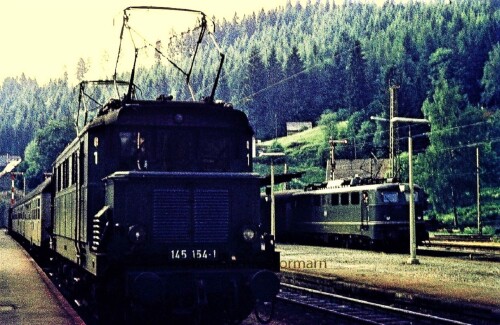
[(333, 64), (447, 168), (26, 107), (305, 151), (329, 120), (491, 78), (44, 148), (490, 214)]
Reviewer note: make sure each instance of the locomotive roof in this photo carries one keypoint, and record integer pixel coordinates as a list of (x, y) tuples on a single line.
[(343, 186), (162, 112), (146, 113)]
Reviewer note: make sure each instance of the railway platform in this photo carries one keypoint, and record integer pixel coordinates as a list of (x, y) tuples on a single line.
[(27, 296)]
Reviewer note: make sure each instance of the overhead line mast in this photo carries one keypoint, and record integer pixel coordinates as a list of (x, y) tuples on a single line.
[(393, 132), (330, 167)]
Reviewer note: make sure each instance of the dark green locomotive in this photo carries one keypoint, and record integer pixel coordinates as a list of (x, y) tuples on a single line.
[(353, 213), (156, 206)]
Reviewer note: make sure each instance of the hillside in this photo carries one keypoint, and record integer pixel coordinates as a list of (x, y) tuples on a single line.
[(331, 64), (314, 135), (305, 151)]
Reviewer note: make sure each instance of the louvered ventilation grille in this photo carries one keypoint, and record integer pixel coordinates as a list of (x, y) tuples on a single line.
[(184, 216)]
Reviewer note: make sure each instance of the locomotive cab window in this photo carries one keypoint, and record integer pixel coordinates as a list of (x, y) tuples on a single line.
[(344, 198), (355, 198), (182, 150), (214, 152), (335, 199), (415, 196), (389, 197)]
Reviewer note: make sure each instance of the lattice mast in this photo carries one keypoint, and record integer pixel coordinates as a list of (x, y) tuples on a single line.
[(393, 132)]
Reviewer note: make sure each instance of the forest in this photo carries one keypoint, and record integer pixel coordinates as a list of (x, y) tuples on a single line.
[(330, 64)]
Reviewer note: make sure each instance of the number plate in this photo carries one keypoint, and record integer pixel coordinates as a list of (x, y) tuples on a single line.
[(193, 254)]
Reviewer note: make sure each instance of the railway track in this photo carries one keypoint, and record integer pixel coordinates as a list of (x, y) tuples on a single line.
[(469, 247), (374, 305), (357, 310), (462, 238)]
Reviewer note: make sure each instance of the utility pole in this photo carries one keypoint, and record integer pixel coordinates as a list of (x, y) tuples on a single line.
[(273, 155), (330, 168), (478, 189), (413, 229), (393, 132), (413, 233)]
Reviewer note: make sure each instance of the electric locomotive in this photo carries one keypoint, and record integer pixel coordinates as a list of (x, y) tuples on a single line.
[(351, 212), (158, 199)]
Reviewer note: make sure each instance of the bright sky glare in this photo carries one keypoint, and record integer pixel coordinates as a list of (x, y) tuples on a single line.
[(43, 39)]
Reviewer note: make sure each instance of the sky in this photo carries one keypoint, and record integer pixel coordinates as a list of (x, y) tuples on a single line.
[(44, 39)]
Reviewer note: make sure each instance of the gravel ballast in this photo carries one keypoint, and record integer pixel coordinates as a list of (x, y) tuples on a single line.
[(451, 278)]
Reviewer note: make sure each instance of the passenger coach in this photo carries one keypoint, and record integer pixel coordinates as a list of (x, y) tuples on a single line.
[(30, 218)]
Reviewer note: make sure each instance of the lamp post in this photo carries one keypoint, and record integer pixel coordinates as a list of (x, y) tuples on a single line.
[(413, 231), (273, 155)]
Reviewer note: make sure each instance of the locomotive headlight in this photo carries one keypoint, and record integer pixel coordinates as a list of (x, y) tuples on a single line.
[(137, 234), (248, 234)]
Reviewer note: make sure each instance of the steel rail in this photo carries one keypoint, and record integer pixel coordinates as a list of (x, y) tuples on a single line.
[(358, 314)]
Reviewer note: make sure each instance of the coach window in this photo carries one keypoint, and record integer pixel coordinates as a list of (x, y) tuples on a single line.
[(415, 196), (344, 198), (59, 178), (74, 168), (66, 173), (138, 151), (355, 198), (181, 151)]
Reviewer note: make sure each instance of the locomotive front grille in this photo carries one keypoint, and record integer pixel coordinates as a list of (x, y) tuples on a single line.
[(190, 216)]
